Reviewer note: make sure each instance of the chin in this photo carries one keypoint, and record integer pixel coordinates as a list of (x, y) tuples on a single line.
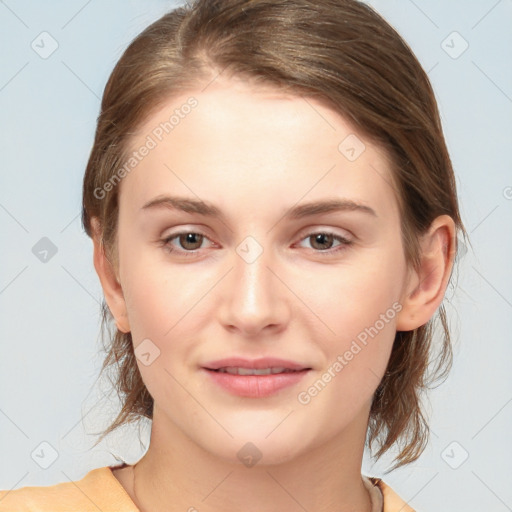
[(254, 446)]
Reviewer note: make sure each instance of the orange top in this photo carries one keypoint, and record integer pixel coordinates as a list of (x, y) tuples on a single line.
[(100, 490)]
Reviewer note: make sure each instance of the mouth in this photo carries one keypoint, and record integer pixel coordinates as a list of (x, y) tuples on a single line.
[(257, 378), (237, 370), (268, 364)]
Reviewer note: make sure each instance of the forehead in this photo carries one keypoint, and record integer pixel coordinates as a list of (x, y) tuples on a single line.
[(234, 139)]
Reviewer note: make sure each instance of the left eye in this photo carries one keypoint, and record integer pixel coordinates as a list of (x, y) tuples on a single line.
[(186, 240), (321, 239)]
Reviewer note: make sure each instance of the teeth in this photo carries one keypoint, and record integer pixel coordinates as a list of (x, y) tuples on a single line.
[(233, 370)]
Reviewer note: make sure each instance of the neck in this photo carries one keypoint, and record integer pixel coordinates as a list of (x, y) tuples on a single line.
[(176, 474)]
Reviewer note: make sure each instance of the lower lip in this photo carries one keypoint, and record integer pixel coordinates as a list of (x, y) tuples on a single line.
[(255, 386)]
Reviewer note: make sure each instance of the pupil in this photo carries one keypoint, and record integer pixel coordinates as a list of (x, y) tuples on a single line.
[(322, 239), (190, 238)]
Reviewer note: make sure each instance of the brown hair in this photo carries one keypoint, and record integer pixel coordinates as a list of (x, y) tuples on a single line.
[(340, 52)]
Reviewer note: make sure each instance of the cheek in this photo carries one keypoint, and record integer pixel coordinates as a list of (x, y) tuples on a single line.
[(356, 357), (157, 307), (157, 294), (354, 296), (359, 304), (163, 302)]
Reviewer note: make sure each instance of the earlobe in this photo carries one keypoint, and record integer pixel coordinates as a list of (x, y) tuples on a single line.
[(109, 281), (426, 286)]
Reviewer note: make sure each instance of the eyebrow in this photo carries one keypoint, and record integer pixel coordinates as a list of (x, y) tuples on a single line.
[(296, 212)]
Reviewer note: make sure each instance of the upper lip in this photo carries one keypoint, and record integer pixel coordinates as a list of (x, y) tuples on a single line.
[(263, 362)]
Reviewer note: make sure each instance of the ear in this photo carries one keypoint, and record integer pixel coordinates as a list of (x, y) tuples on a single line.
[(425, 287), (109, 281)]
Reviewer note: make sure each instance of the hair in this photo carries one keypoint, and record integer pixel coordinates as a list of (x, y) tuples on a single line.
[(339, 52)]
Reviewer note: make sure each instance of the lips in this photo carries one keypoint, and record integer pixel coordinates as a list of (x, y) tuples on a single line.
[(236, 370), (255, 378), (272, 363)]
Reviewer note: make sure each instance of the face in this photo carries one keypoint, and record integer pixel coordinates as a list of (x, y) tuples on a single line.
[(253, 269)]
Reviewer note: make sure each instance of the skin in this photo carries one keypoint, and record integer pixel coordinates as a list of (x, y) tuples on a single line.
[(255, 153)]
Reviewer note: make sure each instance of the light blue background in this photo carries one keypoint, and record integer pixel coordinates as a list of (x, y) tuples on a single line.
[(50, 311)]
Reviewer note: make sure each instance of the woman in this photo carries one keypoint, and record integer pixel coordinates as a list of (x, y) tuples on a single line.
[(274, 219)]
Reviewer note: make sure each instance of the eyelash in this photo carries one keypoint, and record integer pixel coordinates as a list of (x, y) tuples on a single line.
[(345, 242)]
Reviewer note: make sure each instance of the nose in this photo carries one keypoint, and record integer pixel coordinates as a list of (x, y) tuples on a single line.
[(253, 298)]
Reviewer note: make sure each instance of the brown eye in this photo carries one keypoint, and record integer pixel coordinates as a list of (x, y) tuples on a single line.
[(186, 243), (321, 241), (190, 241), (326, 243)]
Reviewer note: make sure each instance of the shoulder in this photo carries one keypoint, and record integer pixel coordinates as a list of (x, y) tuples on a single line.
[(97, 490), (391, 500)]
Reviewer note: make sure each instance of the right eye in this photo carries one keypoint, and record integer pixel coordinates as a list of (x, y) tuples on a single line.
[(190, 242)]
